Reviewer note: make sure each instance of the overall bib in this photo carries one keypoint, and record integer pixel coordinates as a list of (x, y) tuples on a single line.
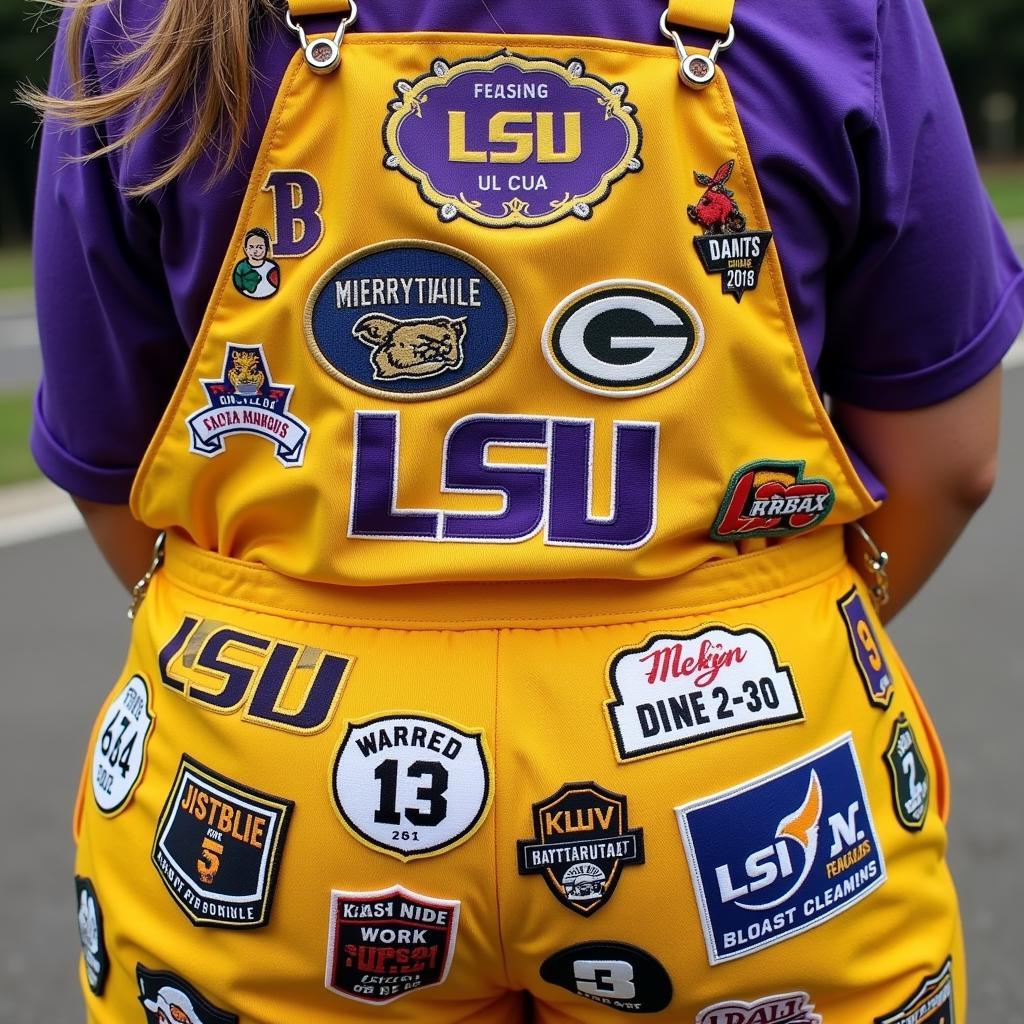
[(505, 642)]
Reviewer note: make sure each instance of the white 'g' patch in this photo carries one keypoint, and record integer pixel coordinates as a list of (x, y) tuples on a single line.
[(119, 756), (622, 338), (679, 689), (410, 785)]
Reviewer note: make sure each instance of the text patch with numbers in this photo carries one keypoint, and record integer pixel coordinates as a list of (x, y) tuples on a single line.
[(119, 754)]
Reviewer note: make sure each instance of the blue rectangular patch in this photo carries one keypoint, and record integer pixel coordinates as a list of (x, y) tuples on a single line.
[(782, 853), (867, 653)]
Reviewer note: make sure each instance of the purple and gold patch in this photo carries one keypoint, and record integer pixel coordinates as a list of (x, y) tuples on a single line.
[(512, 141)]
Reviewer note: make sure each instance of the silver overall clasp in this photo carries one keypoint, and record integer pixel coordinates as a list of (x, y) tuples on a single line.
[(140, 588), (322, 55), (877, 562), (696, 69)]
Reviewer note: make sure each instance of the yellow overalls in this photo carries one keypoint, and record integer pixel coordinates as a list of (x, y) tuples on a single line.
[(505, 639)]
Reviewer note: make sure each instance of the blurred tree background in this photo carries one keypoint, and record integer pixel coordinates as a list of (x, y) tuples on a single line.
[(983, 41)]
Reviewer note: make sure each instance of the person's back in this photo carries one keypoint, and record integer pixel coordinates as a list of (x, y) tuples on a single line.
[(505, 523)]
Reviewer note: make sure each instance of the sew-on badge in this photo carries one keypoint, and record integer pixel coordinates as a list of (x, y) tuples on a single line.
[(772, 499), (911, 785), (169, 999), (119, 754), (218, 847), (509, 140), (245, 399), (622, 338), (581, 843), (791, 1008), (411, 785), (932, 1003), (386, 944), (287, 686), (866, 650), (409, 320), (726, 247), (676, 690), (613, 974), (256, 276), (782, 853), (298, 224), (91, 935)]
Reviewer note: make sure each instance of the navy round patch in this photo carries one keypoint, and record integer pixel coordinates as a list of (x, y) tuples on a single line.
[(409, 319)]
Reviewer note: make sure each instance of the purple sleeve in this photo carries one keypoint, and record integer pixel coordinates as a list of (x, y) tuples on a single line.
[(105, 316), (929, 296)]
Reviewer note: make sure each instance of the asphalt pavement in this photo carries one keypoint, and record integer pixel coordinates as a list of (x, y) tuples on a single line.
[(63, 634)]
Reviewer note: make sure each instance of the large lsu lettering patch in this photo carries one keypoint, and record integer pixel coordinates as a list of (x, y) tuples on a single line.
[(771, 499), (932, 1003), (218, 846), (217, 666), (510, 140), (386, 944), (409, 320), (244, 399), (412, 785), (555, 498), (782, 853), (679, 689)]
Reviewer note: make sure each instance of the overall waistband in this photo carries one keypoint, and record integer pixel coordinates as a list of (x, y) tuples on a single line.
[(761, 575)]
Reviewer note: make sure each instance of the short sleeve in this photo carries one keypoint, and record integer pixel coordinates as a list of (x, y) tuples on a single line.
[(930, 296), (111, 345)]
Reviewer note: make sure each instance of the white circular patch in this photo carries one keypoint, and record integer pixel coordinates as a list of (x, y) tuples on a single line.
[(410, 785), (119, 756), (622, 338)]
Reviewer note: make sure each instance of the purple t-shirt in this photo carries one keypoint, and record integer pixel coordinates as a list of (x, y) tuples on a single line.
[(904, 287)]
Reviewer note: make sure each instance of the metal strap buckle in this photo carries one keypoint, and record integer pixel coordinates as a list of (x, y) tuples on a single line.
[(322, 55), (696, 69), (140, 588), (877, 562)]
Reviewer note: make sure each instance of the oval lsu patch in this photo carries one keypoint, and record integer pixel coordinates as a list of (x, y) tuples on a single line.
[(409, 320), (508, 140)]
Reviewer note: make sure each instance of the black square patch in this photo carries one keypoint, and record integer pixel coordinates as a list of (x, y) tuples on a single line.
[(218, 846)]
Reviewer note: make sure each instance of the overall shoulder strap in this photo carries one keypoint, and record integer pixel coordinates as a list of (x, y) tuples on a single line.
[(712, 16), (305, 8)]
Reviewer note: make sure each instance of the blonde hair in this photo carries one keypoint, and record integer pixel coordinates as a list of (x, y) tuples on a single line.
[(198, 54)]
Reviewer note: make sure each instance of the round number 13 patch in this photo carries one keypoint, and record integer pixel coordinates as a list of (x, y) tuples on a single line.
[(410, 785)]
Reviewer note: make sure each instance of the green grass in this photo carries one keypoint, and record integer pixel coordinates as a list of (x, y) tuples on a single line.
[(16, 464), (16, 268), (1006, 187)]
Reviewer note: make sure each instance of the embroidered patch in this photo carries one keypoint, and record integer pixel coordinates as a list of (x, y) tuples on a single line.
[(91, 937), (119, 754), (622, 338), (782, 853), (679, 689), (558, 153), (246, 400), (581, 842), (911, 786), (726, 247), (555, 496), (169, 999), (408, 320), (383, 945), (412, 785), (772, 499), (867, 652), (298, 226), (791, 1008), (282, 685), (218, 846), (932, 1003), (257, 276), (614, 974)]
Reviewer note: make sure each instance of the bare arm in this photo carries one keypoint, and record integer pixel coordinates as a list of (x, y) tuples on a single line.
[(123, 541), (939, 466)]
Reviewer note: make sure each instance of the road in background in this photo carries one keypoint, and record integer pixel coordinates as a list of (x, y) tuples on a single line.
[(63, 634)]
